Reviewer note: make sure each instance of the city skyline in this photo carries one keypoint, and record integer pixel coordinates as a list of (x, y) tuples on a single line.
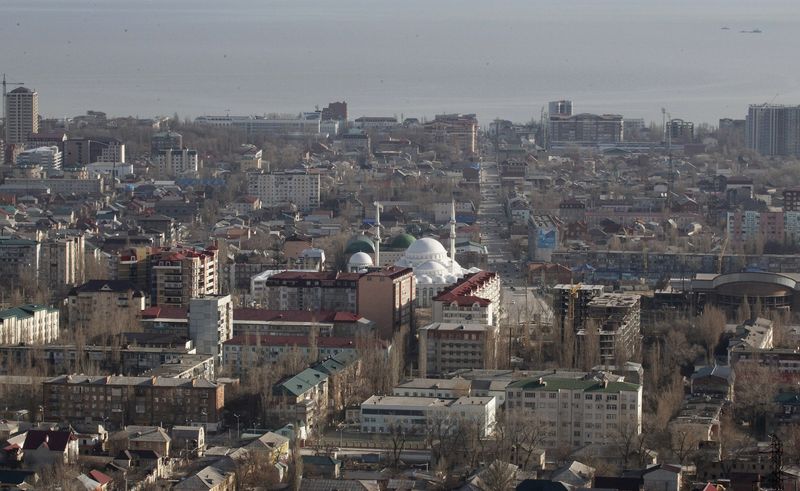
[(507, 61)]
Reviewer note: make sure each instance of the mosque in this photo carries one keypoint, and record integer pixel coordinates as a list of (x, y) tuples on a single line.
[(434, 269)]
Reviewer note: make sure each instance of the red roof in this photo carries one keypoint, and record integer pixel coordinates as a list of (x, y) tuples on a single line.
[(165, 313), (267, 340), (99, 477), (466, 287)]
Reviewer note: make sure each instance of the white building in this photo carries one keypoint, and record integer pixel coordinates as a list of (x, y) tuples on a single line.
[(211, 324), (113, 169), (280, 188), (418, 415), (28, 324), (49, 158), (305, 124), (375, 122), (447, 347), (578, 412), (176, 161)]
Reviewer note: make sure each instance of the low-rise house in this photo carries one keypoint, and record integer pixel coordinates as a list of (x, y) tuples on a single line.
[(49, 447), (140, 438), (220, 476), (322, 466), (271, 447), (188, 439), (714, 381)]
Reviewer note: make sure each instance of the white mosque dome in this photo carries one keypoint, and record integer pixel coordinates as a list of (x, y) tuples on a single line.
[(359, 260), (426, 248), (424, 279)]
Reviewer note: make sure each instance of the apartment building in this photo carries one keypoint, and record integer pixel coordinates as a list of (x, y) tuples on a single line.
[(84, 151), (617, 317), (249, 157), (577, 412), (62, 263), (97, 304), (387, 297), (211, 324), (178, 274), (772, 129), (680, 131), (304, 290), (134, 400), (276, 189), (751, 226), (375, 122), (458, 130), (578, 296), (19, 258), (421, 415), (446, 347), (65, 186), (301, 399), (587, 129), (474, 299), (243, 352), (165, 140), (22, 115), (48, 158), (29, 324), (305, 124), (176, 161)]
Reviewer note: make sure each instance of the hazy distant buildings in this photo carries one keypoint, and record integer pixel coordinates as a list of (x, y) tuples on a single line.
[(280, 188), (305, 124), (48, 158), (773, 129), (585, 129), (22, 115), (561, 108), (680, 131), (336, 111), (176, 161), (89, 150), (165, 140), (457, 130)]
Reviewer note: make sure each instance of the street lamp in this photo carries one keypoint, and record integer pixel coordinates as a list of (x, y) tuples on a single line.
[(238, 436)]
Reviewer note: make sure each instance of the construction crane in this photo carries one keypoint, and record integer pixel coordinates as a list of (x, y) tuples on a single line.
[(776, 456), (722, 252), (5, 84), (570, 324)]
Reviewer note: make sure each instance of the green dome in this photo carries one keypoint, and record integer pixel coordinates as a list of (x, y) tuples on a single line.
[(402, 241), (362, 243)]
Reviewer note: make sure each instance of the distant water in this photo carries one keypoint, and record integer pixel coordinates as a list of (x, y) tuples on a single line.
[(409, 57)]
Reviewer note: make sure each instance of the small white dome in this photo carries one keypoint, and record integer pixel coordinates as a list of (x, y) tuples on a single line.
[(360, 260), (424, 279), (430, 267)]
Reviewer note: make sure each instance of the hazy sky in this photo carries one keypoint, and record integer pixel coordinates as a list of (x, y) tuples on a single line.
[(412, 57)]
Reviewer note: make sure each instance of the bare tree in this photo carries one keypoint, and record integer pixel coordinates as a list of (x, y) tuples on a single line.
[(711, 325)]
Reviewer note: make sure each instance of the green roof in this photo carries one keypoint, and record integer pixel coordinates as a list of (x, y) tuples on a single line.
[(23, 311), (402, 241), (362, 243), (301, 382), (555, 384)]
